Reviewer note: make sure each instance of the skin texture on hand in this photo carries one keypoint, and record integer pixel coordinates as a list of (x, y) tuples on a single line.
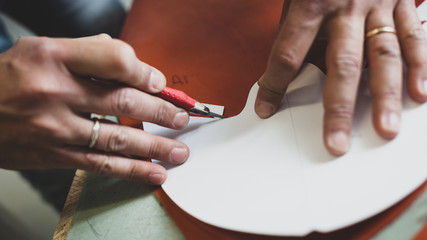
[(48, 89), (344, 24)]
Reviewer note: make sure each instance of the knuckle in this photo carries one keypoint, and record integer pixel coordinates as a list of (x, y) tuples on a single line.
[(122, 56), (43, 50), (346, 64), (266, 88), (387, 50), (133, 172), (154, 150), (314, 8), (41, 90), (103, 36), (322, 7), (124, 103), (388, 94), (287, 58), (418, 62), (416, 35), (160, 116), (117, 141), (340, 111), (102, 164)]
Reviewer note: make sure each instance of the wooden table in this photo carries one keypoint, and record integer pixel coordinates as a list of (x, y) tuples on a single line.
[(101, 208)]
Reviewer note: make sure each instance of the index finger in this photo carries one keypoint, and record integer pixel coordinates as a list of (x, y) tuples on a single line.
[(296, 35), (110, 59)]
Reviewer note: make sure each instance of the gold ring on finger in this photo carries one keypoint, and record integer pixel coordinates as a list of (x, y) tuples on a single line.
[(379, 30)]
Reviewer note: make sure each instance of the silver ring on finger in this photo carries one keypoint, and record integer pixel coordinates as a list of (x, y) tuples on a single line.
[(95, 129), (94, 134)]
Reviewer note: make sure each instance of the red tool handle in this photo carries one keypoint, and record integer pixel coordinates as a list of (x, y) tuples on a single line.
[(178, 98)]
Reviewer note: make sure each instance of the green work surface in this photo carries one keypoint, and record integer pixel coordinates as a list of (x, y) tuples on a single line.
[(115, 209)]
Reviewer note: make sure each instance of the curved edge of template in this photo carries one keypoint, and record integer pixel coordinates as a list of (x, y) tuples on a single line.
[(286, 184)]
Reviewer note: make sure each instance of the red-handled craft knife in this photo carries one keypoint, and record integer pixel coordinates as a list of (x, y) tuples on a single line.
[(182, 100)]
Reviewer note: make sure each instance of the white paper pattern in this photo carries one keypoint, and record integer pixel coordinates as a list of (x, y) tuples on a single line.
[(275, 177)]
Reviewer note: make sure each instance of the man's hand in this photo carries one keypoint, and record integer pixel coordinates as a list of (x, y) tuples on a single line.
[(345, 23), (48, 89)]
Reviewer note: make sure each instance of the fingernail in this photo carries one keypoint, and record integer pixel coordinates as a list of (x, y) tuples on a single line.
[(156, 178), (180, 120), (157, 81), (390, 122), (265, 109), (178, 155), (339, 142)]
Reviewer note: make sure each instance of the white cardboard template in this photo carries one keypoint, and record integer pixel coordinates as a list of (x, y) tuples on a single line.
[(274, 176)]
